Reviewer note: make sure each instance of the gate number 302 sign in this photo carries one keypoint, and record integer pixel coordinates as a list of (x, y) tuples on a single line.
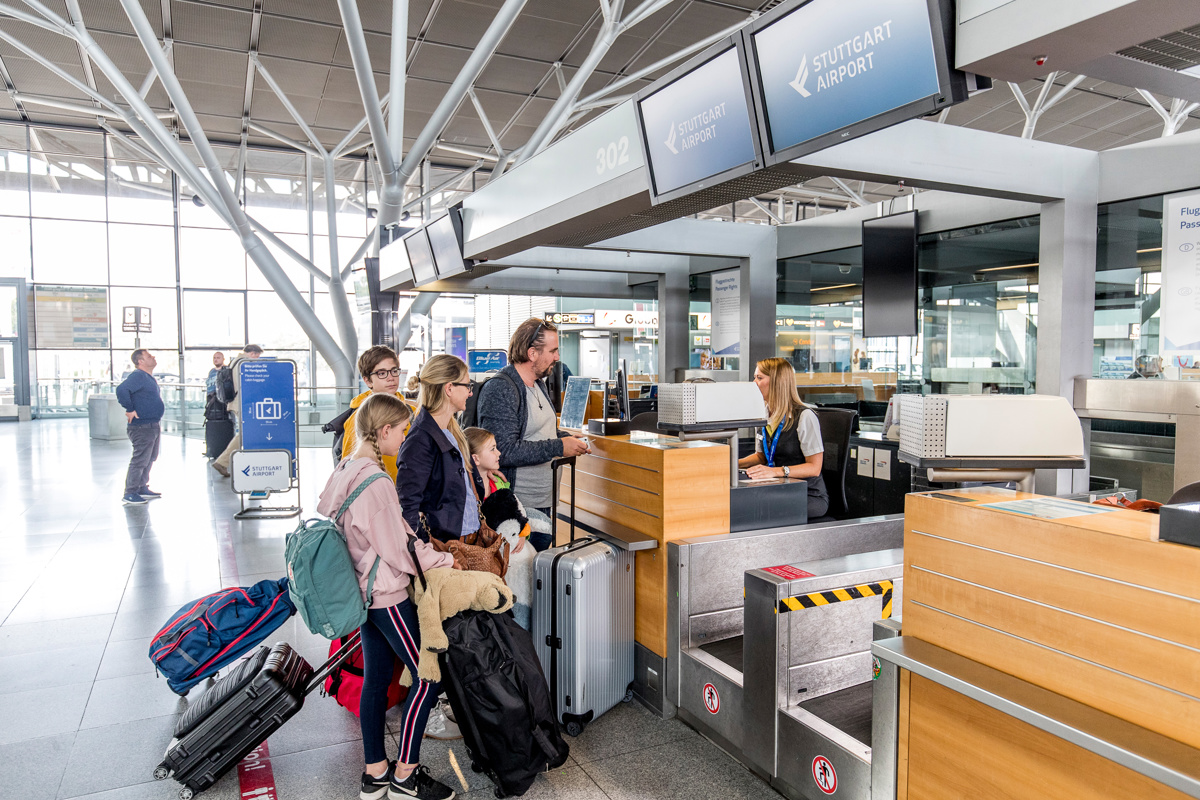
[(616, 154)]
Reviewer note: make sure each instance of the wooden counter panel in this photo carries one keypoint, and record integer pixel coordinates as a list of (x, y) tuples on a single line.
[(645, 500), (650, 601), (1166, 664), (696, 493), (1123, 544), (1153, 707), (1169, 617), (958, 748)]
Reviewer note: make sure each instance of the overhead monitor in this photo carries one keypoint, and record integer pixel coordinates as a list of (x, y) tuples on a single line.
[(890, 275), (826, 71), (420, 257), (697, 124), (393, 261), (445, 238)]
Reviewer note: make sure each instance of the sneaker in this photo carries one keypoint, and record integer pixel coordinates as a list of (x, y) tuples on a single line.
[(375, 788), (149, 493), (131, 499), (419, 784), (440, 726)]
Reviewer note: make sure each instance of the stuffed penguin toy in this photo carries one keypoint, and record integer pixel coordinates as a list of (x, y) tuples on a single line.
[(507, 517)]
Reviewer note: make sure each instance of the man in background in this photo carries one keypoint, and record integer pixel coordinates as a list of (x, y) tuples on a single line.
[(221, 464), (142, 400)]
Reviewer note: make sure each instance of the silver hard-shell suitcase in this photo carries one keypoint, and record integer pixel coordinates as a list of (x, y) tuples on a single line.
[(583, 628)]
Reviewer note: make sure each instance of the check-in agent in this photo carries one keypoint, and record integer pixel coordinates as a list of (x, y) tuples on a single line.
[(790, 444)]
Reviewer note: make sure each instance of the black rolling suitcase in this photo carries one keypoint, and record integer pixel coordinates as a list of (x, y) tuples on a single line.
[(217, 435), (495, 684), (239, 712)]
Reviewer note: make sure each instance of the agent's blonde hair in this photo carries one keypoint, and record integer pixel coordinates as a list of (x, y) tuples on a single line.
[(375, 412), (783, 401), (438, 372)]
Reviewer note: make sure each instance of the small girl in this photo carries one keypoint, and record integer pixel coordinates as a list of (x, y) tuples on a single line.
[(486, 456)]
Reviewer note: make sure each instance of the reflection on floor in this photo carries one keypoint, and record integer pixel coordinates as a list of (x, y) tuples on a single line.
[(85, 582)]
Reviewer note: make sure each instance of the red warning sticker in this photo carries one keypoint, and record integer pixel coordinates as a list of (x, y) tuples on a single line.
[(788, 571), (712, 700), (824, 775)]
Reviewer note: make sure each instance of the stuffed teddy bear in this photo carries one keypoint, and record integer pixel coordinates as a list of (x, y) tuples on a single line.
[(451, 591), (507, 517)]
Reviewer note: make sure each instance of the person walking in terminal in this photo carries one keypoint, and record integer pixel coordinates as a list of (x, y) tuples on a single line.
[(221, 464), (375, 528), (380, 370), (436, 479), (142, 400), (790, 445), (515, 406)]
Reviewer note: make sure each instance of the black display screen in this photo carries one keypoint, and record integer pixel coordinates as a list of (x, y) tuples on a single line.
[(420, 257), (447, 251), (890, 275)]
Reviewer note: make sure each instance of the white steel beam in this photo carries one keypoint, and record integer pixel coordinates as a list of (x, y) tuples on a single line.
[(398, 77)]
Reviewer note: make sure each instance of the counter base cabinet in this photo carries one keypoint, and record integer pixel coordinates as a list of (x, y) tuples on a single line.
[(952, 747)]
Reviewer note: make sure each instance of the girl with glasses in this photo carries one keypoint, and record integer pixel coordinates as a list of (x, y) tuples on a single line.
[(436, 478)]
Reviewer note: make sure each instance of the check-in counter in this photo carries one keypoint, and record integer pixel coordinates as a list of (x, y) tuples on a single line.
[(656, 487), (1049, 650)]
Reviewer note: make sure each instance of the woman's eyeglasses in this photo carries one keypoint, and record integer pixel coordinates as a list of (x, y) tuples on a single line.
[(466, 385), (380, 374)]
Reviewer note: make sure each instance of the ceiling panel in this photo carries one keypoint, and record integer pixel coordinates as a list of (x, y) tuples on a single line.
[(107, 15), (300, 40), (205, 65), (296, 78), (265, 106), (509, 73), (219, 27), (56, 48), (440, 63)]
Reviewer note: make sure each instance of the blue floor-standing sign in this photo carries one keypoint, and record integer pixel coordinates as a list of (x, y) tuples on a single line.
[(268, 396), (267, 461)]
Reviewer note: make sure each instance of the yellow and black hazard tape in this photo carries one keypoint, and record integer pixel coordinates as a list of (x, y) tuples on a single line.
[(814, 599)]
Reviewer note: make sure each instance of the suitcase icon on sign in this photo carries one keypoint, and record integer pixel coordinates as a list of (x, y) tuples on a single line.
[(268, 409)]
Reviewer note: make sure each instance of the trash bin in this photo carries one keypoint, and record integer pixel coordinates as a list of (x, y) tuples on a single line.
[(106, 418)]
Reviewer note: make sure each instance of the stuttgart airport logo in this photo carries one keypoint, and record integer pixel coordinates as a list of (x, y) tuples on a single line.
[(801, 78), (670, 142)]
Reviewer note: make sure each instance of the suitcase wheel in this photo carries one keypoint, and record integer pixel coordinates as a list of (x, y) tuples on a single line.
[(628, 698), (574, 728), (186, 794), (161, 773)]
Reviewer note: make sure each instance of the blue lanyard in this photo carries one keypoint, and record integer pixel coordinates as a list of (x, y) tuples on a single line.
[(770, 453)]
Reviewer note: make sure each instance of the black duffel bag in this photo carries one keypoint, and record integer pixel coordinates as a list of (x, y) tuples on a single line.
[(495, 684)]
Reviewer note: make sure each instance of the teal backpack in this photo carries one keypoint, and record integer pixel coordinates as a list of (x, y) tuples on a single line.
[(321, 576)]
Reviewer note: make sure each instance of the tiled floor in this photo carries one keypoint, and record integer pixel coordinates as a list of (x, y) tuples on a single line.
[(85, 582)]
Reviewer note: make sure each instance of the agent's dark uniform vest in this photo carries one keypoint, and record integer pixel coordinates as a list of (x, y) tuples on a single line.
[(788, 454)]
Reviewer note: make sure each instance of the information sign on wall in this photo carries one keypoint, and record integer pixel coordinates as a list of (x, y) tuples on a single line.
[(698, 129), (486, 360), (267, 391), (571, 317), (727, 313), (827, 66), (1179, 328), (70, 317)]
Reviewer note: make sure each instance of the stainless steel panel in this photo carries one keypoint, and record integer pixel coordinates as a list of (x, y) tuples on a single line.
[(677, 617), (1158, 757), (714, 627), (885, 709), (650, 672), (803, 739), (765, 661), (817, 678), (717, 563), (698, 669)]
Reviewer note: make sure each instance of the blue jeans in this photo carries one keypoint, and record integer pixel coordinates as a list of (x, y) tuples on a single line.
[(388, 633)]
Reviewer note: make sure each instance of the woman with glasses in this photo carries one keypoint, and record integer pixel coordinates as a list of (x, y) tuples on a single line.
[(380, 370), (437, 480)]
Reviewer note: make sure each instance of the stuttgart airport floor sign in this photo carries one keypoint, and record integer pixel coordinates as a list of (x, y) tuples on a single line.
[(268, 398), (830, 64)]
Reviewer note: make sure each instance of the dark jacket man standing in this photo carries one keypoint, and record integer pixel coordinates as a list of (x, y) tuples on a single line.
[(142, 400)]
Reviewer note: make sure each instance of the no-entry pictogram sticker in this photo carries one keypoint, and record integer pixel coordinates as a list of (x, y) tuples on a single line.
[(824, 774), (712, 700)]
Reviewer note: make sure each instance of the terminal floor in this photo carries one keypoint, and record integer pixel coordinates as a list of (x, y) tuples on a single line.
[(85, 582)]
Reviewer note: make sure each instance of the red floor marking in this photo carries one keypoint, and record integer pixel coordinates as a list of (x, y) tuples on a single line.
[(256, 780)]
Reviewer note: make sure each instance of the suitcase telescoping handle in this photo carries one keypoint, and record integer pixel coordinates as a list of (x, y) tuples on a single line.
[(351, 646), (555, 464)]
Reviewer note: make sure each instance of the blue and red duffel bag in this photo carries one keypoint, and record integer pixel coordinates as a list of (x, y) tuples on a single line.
[(216, 630)]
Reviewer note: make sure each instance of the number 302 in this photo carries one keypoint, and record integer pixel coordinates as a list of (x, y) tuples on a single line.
[(611, 157)]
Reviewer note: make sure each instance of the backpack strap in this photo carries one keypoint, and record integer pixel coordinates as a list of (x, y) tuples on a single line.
[(337, 520)]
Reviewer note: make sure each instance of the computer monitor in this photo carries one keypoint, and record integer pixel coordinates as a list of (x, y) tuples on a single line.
[(623, 390), (445, 239)]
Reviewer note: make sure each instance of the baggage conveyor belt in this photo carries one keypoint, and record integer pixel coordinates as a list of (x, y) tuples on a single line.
[(728, 651), (848, 710)]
